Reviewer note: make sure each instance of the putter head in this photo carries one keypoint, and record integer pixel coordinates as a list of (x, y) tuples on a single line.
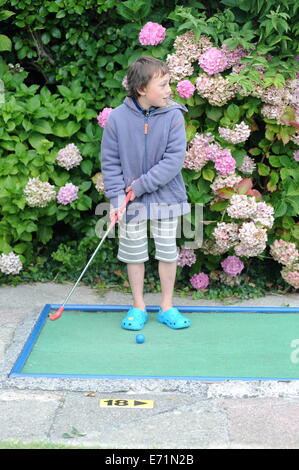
[(57, 314)]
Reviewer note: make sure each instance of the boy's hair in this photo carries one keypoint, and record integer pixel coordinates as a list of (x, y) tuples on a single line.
[(140, 73)]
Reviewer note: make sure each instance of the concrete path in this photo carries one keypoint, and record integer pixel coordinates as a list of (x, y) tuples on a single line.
[(185, 415)]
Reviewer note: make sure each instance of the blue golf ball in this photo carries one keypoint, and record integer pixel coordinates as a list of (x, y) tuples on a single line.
[(140, 339)]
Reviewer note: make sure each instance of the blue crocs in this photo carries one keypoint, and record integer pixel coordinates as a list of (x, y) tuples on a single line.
[(135, 319), (173, 318)]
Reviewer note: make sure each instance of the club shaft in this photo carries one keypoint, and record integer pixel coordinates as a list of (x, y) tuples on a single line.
[(86, 267), (113, 222)]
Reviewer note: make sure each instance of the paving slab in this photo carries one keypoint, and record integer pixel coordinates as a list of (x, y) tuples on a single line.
[(187, 414), (27, 416), (267, 422), (174, 421)]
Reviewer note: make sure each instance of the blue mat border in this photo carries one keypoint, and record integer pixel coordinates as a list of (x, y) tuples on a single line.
[(24, 354)]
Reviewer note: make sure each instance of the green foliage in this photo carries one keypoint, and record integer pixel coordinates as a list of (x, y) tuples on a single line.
[(35, 125), (63, 61)]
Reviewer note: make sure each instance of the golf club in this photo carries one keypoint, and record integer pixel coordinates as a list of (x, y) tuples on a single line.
[(56, 315)]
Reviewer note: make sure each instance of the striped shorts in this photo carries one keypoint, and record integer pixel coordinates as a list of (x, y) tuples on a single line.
[(133, 241)]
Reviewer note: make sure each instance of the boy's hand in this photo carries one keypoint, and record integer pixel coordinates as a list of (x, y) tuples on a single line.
[(129, 188), (119, 211)]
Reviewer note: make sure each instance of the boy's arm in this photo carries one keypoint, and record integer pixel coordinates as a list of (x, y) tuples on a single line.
[(114, 183), (171, 163)]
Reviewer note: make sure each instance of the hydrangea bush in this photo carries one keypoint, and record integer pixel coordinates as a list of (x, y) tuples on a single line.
[(221, 153), (237, 72), (242, 131), (48, 157)]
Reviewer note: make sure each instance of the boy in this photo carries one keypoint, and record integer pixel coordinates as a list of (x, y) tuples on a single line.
[(142, 150)]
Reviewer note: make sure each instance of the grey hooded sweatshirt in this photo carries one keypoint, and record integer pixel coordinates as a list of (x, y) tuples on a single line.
[(145, 149)]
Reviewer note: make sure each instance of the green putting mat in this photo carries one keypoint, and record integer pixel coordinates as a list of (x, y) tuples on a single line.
[(228, 345)]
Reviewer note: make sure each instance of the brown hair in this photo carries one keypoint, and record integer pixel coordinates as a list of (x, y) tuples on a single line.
[(140, 73)]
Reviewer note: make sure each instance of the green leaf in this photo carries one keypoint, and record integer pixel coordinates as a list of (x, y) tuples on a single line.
[(5, 247), (39, 142), (43, 126), (44, 233), (286, 172), (55, 32), (65, 91), (112, 83), (20, 248), (61, 14), (84, 203), (5, 14), (77, 433), (72, 127), (214, 113), (233, 112), (33, 104), (281, 209), (5, 43), (190, 132), (86, 166), (66, 435), (85, 185), (293, 189), (219, 206), (263, 169), (59, 129), (208, 174), (295, 231), (45, 37), (273, 180), (275, 161)]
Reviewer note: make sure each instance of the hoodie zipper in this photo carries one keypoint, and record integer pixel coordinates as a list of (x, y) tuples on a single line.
[(147, 113)]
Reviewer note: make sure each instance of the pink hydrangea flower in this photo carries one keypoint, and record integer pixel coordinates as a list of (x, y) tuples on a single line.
[(226, 235), (196, 157), (69, 157), (67, 194), (103, 116), (217, 89), (233, 57), (199, 281), (179, 67), (39, 193), (213, 61), (152, 34), (232, 265), (185, 89), (284, 252), (291, 275), (296, 155), (186, 257), (239, 133), (225, 165)]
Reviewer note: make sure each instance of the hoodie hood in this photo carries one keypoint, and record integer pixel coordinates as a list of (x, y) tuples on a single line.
[(170, 105)]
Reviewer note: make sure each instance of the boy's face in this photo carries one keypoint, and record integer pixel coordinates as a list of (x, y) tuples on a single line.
[(156, 93)]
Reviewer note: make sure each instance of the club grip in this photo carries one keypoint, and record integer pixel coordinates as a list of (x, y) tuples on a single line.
[(124, 203)]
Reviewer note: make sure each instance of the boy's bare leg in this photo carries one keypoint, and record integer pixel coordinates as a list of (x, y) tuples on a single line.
[(136, 279), (167, 273)]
